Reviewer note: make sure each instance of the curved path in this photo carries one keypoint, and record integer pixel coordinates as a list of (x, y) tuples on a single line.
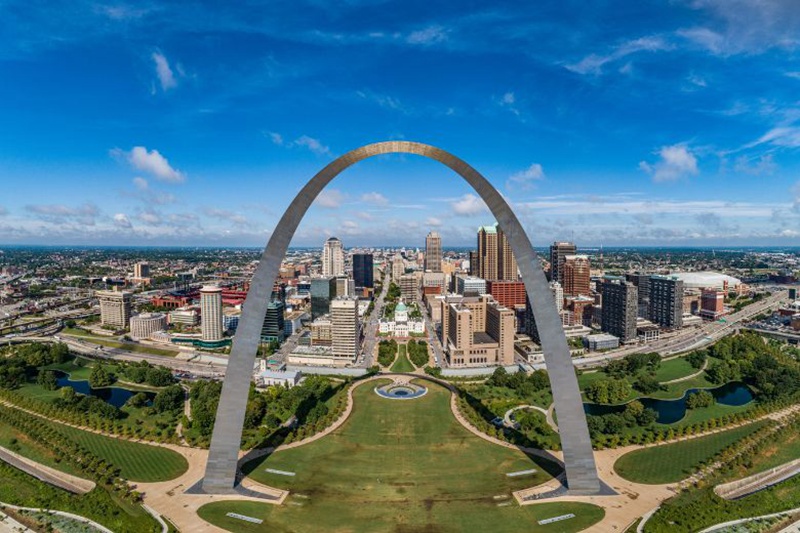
[(690, 376), (51, 476), (65, 514), (745, 520), (759, 481), (548, 415)]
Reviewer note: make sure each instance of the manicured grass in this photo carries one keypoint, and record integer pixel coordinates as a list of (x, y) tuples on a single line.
[(515, 519), (670, 463), (401, 363), (400, 466), (717, 410), (137, 461), (674, 369)]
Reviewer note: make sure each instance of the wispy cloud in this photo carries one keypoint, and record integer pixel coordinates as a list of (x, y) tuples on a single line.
[(374, 198), (427, 36), (122, 221), (468, 205), (313, 145), (675, 162), (228, 216), (594, 63), (525, 179), (60, 213), (330, 198), (165, 75)]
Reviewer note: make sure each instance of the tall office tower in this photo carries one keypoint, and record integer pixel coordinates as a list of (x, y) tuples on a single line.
[(666, 301), (141, 270), (345, 333), (576, 275), (474, 264), (433, 252), (642, 282), (398, 267), (620, 307), (345, 287), (495, 259), (333, 258), (273, 328), (363, 270), (409, 287), (115, 308), (558, 295), (559, 250), (211, 313), (323, 290)]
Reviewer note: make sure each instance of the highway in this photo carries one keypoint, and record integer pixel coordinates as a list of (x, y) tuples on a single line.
[(689, 339)]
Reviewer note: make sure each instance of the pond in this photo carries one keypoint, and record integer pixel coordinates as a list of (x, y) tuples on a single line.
[(116, 396), (734, 393)]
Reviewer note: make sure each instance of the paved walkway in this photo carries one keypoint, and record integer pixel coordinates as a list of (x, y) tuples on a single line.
[(548, 415), (51, 476)]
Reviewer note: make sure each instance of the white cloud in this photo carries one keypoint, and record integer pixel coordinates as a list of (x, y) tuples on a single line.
[(229, 216), (313, 144), (676, 162), (509, 98), (764, 165), (433, 222), (427, 36), (330, 199), (150, 217), (151, 162), (524, 178), (140, 183), (60, 213), (310, 143), (3, 211), (783, 136), (164, 72), (467, 205), (374, 198), (593, 63), (121, 220)]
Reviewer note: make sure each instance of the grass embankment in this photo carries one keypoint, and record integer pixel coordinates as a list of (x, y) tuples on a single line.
[(401, 466), (699, 507), (17, 488), (402, 364), (137, 461), (670, 463), (109, 343)]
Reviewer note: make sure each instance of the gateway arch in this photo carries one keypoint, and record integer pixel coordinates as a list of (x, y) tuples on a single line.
[(221, 467)]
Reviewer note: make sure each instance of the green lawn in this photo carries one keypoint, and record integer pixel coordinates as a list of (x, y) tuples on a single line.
[(674, 369), (401, 363), (400, 466), (670, 463), (20, 443), (137, 461)]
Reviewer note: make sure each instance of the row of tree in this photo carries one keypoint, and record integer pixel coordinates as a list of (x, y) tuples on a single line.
[(418, 352)]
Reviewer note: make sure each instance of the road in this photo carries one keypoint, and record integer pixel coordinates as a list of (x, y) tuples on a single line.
[(371, 328), (685, 340), (433, 340)]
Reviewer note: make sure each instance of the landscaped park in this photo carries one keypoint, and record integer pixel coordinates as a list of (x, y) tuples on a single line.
[(404, 462), (400, 466)]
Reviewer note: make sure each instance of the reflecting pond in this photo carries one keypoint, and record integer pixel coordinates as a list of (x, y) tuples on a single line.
[(669, 411), (116, 396)]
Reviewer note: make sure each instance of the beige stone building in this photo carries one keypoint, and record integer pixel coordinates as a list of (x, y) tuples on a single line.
[(477, 331), (115, 308)]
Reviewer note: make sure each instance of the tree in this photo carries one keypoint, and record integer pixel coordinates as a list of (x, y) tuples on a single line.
[(138, 400), (47, 379), (647, 384), (67, 394), (499, 377), (169, 399), (697, 358), (699, 399), (100, 377)]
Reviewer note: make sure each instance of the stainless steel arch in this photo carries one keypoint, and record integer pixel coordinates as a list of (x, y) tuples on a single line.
[(221, 468)]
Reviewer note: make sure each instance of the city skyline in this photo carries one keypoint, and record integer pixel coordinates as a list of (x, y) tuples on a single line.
[(677, 125)]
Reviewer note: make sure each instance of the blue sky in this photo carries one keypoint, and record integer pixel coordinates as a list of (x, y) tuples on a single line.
[(613, 123)]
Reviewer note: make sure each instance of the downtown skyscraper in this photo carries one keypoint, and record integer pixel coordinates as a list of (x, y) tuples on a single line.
[(495, 259), (333, 258), (433, 252)]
